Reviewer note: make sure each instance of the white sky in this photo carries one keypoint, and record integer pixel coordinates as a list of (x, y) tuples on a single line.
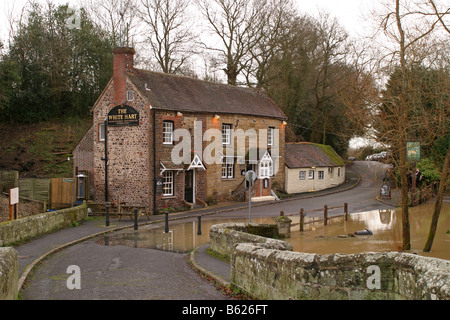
[(348, 12)]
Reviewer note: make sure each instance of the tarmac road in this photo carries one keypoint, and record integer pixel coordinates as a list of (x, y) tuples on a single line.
[(126, 273)]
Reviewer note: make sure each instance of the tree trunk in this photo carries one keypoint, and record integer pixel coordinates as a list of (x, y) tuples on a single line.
[(438, 205)]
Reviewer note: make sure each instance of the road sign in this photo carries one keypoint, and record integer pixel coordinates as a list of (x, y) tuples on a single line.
[(250, 176)]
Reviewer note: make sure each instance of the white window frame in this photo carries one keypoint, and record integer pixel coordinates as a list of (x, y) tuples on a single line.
[(226, 133), (168, 183), (228, 168), (311, 175), (302, 175), (130, 95), (264, 169), (168, 128), (270, 136), (101, 132), (321, 175)]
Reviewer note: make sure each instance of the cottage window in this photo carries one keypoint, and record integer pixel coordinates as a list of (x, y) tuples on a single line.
[(167, 132), (311, 175), (270, 136), (226, 133), (339, 172), (130, 95), (264, 169), (228, 168), (321, 175), (168, 183), (101, 132), (302, 175)]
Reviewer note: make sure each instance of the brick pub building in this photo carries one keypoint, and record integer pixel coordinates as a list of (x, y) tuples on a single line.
[(134, 133)]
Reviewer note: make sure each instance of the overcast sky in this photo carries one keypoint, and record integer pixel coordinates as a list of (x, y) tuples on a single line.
[(348, 12)]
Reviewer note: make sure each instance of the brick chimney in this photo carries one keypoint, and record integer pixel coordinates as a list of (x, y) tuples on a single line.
[(123, 63)]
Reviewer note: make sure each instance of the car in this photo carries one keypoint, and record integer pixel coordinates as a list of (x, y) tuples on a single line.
[(369, 158), (352, 158)]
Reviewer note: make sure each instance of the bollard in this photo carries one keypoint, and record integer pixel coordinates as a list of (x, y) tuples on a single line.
[(135, 219), (302, 219), (325, 215), (166, 228), (281, 213), (107, 214), (346, 211), (199, 227)]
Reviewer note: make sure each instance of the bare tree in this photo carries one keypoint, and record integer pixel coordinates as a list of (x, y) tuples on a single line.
[(236, 23), (330, 51), (118, 17), (170, 33), (411, 31), (276, 21)]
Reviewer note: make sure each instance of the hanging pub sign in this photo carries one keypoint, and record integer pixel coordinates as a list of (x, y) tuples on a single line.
[(123, 115), (413, 151)]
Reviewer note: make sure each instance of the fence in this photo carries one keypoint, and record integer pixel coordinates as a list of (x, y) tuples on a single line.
[(422, 195), (325, 219), (38, 194)]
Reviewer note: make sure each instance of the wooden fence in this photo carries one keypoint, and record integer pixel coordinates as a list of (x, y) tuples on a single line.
[(35, 189), (52, 193), (325, 219), (62, 193), (421, 195)]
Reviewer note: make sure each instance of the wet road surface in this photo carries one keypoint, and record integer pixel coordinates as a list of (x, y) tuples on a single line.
[(122, 272)]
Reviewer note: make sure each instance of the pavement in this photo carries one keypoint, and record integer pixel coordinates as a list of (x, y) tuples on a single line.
[(107, 266)]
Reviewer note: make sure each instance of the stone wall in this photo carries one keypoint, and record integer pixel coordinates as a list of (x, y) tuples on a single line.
[(9, 273), (267, 269), (274, 274), (31, 227), (225, 237)]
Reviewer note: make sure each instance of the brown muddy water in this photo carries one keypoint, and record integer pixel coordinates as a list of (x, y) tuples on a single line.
[(317, 238)]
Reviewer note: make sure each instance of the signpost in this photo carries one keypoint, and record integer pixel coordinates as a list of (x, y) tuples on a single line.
[(413, 155), (250, 176), (13, 201)]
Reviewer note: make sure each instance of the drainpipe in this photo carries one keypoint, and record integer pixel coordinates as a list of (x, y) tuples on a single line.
[(154, 161), (106, 161)]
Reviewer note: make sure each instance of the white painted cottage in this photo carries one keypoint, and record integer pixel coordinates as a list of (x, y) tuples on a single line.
[(312, 167)]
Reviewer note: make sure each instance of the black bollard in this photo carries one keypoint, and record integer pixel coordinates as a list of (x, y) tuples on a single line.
[(199, 228), (107, 214), (135, 219), (166, 228)]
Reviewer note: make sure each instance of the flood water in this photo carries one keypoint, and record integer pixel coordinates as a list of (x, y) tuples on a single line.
[(386, 227), (317, 238)]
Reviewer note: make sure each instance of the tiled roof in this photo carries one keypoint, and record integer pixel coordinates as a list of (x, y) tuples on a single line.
[(172, 92), (307, 155)]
